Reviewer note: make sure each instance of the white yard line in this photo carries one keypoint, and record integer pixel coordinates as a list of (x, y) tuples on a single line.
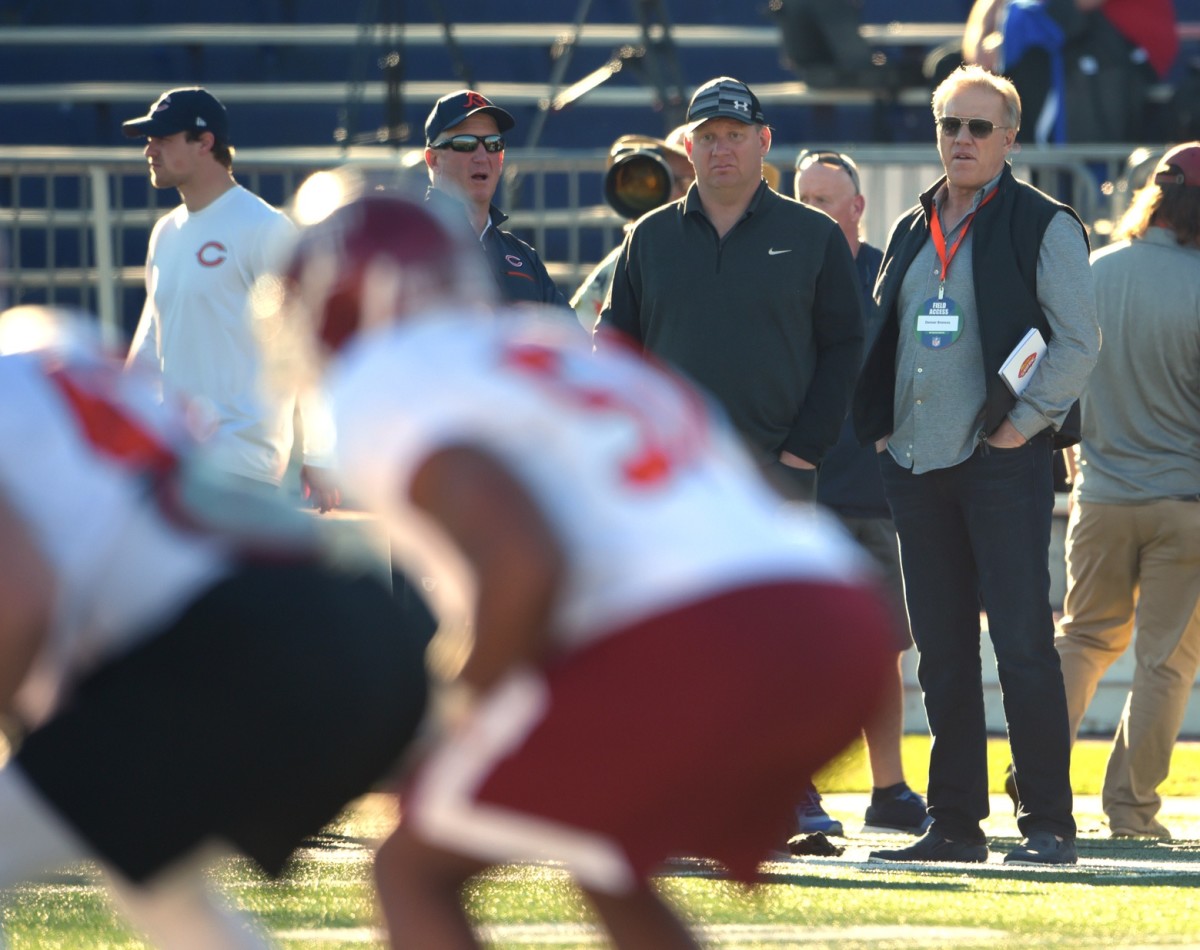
[(716, 935)]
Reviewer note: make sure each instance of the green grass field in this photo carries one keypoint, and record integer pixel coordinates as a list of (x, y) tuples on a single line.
[(1123, 894)]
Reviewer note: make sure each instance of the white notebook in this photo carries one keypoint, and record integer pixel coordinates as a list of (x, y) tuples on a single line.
[(1018, 369)]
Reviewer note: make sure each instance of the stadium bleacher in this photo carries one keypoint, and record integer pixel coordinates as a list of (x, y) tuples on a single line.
[(263, 54), (71, 119)]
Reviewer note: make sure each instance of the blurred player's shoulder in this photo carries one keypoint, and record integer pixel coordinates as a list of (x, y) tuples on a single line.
[(439, 341)]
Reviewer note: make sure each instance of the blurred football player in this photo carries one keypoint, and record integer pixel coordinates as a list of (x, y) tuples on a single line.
[(191, 677), (639, 602)]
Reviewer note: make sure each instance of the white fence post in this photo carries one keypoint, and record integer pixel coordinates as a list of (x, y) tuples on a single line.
[(102, 236)]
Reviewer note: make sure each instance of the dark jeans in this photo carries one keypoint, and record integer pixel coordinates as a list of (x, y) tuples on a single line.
[(981, 530)]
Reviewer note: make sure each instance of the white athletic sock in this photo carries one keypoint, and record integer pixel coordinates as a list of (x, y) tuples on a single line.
[(33, 838), (176, 910)]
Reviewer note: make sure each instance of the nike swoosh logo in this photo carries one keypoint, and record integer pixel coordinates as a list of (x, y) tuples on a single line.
[(772, 252)]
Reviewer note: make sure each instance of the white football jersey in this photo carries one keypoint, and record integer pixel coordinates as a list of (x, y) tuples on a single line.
[(652, 496), (81, 444)]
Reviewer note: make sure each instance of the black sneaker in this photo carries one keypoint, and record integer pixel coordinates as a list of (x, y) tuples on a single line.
[(1043, 848), (903, 811), (931, 846)]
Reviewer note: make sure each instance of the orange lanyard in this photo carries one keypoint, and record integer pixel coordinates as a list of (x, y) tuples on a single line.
[(939, 239)]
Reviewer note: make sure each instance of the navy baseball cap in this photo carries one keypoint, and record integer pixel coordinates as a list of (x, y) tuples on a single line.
[(725, 98), (454, 107), (181, 110)]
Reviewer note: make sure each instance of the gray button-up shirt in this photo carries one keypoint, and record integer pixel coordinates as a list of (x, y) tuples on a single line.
[(940, 392)]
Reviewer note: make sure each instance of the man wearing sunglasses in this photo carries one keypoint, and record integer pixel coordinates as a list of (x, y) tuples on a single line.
[(464, 151), (980, 261)]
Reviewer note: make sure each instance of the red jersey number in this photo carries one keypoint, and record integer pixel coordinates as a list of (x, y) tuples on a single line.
[(660, 452)]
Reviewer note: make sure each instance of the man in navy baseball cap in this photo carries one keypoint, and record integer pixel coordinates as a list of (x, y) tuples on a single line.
[(195, 331), (464, 152), (182, 110), (455, 107)]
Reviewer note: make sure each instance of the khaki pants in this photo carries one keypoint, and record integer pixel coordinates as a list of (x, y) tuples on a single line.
[(1128, 563)]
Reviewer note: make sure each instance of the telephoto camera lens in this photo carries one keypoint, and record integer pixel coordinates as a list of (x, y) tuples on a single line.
[(638, 181)]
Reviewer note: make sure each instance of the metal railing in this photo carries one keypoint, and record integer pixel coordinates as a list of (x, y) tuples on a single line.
[(74, 223), (468, 34)]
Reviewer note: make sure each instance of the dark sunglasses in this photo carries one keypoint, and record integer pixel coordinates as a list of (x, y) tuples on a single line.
[(979, 128), (808, 158), (468, 143)]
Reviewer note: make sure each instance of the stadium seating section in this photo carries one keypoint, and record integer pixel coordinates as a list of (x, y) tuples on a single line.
[(275, 119)]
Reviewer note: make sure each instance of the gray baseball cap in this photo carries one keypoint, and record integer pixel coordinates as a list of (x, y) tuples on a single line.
[(725, 98)]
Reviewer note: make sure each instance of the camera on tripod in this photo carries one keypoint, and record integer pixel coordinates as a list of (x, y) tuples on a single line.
[(639, 176)]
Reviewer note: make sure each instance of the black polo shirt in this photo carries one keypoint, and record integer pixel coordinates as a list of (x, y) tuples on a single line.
[(768, 319)]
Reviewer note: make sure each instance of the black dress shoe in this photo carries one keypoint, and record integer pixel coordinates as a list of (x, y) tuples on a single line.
[(931, 846)]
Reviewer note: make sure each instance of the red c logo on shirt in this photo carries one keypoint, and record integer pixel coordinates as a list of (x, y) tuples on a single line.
[(212, 254)]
